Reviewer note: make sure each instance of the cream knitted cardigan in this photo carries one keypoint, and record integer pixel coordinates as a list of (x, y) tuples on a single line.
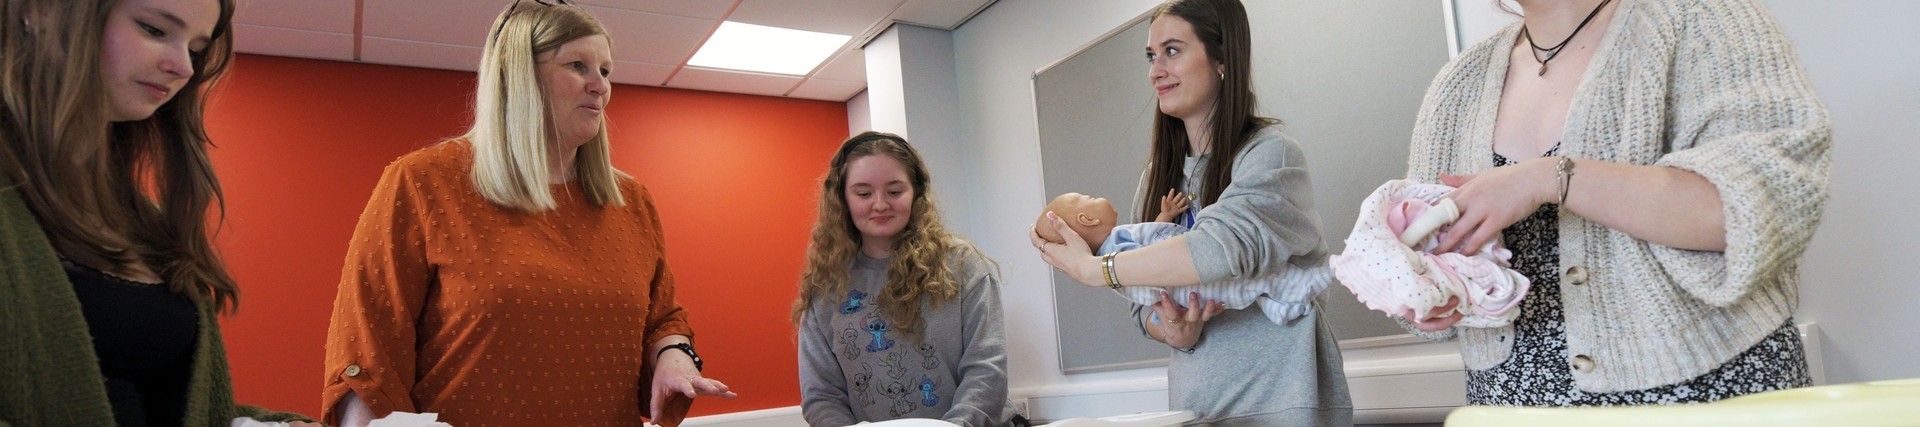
[(1708, 86)]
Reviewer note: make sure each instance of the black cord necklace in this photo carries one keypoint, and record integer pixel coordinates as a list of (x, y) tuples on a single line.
[(1555, 50)]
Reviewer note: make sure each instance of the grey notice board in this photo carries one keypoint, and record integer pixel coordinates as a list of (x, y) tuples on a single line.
[(1346, 77)]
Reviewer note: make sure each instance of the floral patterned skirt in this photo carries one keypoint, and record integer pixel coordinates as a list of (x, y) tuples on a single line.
[(1537, 373)]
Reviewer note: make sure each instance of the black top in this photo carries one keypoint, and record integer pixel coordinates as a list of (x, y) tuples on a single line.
[(144, 336)]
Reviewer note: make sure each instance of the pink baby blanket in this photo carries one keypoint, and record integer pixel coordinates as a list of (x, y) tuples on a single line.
[(1390, 265)]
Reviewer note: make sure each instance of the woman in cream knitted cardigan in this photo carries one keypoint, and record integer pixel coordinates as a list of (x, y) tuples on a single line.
[(1659, 175)]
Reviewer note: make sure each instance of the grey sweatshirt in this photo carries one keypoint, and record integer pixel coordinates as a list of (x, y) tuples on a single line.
[(1247, 371), (855, 366)]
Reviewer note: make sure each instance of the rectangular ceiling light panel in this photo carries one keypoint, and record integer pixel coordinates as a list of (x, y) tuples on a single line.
[(759, 48)]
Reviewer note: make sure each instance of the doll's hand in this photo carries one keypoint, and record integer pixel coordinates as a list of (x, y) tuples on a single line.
[(1071, 256), (1172, 205), (1493, 200)]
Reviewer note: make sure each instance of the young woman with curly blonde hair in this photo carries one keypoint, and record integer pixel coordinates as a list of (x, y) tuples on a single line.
[(898, 317)]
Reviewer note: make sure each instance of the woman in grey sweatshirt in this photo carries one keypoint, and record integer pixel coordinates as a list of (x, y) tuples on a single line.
[(1252, 218), (898, 318)]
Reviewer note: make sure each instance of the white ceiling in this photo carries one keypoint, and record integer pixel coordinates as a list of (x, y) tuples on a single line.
[(652, 39)]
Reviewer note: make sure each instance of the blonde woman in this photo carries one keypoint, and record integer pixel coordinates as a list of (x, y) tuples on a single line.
[(898, 318), (109, 284), (512, 276)]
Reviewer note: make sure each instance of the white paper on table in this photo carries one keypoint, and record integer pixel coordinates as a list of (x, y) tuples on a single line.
[(409, 419)]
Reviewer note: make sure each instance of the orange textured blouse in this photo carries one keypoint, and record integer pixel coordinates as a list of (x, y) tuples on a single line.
[(489, 316)]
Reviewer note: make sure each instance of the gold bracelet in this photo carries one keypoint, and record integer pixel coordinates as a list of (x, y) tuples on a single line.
[(1565, 171), (1106, 266)]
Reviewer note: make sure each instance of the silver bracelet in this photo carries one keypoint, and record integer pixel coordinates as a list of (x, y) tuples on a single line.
[(1564, 171)]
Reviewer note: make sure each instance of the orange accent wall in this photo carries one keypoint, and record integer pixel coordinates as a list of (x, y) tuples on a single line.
[(301, 143)]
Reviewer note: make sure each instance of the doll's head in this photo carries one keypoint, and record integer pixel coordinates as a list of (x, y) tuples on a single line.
[(1090, 217)]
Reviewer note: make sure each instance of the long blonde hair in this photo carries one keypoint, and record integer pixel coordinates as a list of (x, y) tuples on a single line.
[(923, 253), (108, 194), (511, 128)]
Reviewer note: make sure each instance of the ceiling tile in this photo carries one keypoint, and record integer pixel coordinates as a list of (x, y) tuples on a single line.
[(635, 73), (650, 37), (411, 53), (732, 81), (849, 64), (828, 90), (456, 22), (329, 16), (843, 17), (942, 14), (704, 9), (277, 41)]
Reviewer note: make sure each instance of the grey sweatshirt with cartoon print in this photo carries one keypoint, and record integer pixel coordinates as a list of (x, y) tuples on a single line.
[(855, 366)]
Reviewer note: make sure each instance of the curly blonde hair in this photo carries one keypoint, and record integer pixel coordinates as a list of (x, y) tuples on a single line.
[(920, 270)]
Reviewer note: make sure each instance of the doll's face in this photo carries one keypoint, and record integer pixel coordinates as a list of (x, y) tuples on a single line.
[(1090, 217)]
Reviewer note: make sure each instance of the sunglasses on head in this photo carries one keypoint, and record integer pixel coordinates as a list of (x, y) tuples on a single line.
[(516, 5)]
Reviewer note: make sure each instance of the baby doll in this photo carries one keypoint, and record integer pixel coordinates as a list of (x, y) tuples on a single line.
[(1390, 265), (1282, 298)]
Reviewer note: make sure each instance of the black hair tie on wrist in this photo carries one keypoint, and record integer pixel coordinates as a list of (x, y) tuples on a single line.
[(698, 365)]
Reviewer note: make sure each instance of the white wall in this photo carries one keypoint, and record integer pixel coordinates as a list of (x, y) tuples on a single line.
[(995, 55), (910, 92), (886, 95), (1861, 281), (859, 114)]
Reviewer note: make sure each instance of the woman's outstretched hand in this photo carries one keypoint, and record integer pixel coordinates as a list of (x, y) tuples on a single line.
[(676, 382), (1180, 327), (1072, 257)]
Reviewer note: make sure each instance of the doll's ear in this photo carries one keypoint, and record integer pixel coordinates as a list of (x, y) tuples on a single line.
[(1086, 220)]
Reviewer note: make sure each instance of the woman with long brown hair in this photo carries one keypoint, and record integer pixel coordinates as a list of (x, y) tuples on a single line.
[(898, 317), (109, 281), (1252, 217)]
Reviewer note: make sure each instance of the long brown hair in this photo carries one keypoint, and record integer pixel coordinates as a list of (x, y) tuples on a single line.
[(920, 268), (110, 194), (1221, 26)]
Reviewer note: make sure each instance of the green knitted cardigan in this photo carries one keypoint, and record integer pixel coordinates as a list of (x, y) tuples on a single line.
[(49, 375)]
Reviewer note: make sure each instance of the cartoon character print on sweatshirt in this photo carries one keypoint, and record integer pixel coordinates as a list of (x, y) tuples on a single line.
[(896, 365), (861, 381), (850, 342), (928, 360), (856, 301), (902, 398), (927, 385), (878, 328)]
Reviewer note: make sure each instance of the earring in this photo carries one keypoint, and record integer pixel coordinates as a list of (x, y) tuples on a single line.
[(1223, 75)]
